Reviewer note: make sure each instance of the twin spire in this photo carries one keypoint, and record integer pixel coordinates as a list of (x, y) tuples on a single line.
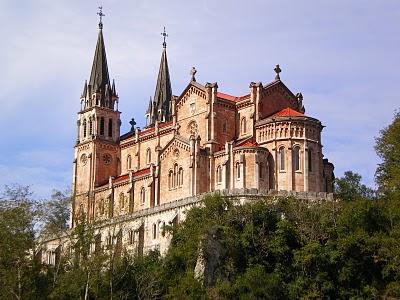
[(99, 91), (159, 108)]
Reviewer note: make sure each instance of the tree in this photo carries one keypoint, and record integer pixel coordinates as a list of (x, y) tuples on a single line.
[(56, 213), (349, 187), (388, 148), (18, 268)]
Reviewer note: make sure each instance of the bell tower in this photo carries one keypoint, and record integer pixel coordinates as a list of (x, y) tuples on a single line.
[(97, 152)]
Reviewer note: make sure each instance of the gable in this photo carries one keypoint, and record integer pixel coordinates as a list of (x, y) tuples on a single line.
[(276, 97), (174, 147)]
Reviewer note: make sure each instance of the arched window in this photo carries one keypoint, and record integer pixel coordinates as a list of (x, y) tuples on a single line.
[(238, 170), (170, 179), (84, 128), (101, 207), (224, 127), (129, 162), (148, 156), (219, 174), (261, 170), (310, 160), (90, 127), (282, 159), (180, 177), (102, 126), (81, 209), (175, 181), (163, 229), (143, 195), (243, 125), (131, 237), (154, 231), (121, 201), (110, 127), (296, 158)]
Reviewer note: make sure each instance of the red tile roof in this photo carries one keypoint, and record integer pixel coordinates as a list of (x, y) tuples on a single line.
[(231, 98), (160, 125), (121, 178), (141, 172), (247, 143), (288, 112)]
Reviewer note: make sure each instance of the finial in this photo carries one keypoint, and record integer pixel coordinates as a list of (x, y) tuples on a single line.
[(101, 15), (193, 72), (164, 34), (133, 123), (277, 71)]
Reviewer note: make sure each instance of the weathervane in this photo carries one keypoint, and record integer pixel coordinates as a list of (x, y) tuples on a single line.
[(101, 15), (164, 34)]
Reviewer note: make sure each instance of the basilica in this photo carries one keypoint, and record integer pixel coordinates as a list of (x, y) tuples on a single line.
[(200, 141)]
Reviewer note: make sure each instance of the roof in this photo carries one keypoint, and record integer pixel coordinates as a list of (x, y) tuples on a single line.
[(232, 98), (246, 142), (99, 75), (288, 112), (141, 172), (121, 178)]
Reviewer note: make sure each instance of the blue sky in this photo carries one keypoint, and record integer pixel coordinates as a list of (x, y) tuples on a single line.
[(342, 55)]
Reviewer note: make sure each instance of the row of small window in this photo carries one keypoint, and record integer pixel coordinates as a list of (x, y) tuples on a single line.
[(240, 169), (129, 159), (88, 126), (175, 177), (296, 159), (101, 206)]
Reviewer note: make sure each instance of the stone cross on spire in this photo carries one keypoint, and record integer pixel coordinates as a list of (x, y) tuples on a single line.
[(101, 15), (193, 72), (277, 71), (164, 34)]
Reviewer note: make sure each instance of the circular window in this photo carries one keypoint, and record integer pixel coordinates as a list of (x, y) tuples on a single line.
[(84, 159)]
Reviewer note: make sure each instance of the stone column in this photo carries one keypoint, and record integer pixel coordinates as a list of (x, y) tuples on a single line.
[(305, 168)]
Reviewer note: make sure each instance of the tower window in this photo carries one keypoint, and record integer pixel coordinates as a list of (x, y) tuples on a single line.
[(296, 158), (110, 128), (90, 127), (261, 170), (101, 126), (84, 128), (282, 159)]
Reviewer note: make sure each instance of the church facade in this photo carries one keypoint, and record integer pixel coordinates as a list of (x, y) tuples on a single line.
[(202, 141)]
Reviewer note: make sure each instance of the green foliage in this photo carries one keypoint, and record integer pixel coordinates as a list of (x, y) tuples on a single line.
[(350, 188), (265, 249), (388, 148)]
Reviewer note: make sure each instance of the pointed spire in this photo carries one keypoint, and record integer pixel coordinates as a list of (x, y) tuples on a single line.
[(163, 93), (150, 107), (114, 92), (84, 92), (99, 75)]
